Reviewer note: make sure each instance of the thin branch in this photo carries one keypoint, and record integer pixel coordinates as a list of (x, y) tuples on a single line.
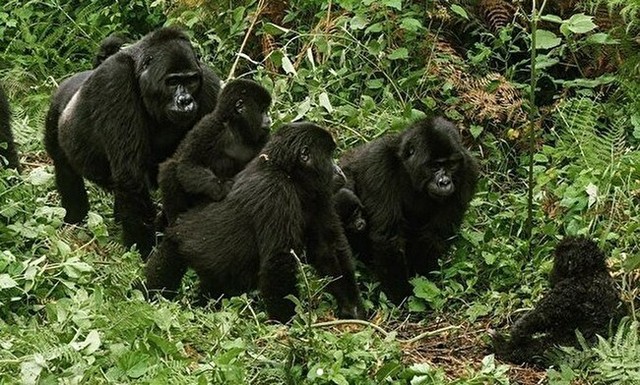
[(382, 331), (261, 7)]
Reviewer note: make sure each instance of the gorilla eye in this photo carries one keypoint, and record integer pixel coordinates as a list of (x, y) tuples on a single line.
[(304, 154), (411, 150)]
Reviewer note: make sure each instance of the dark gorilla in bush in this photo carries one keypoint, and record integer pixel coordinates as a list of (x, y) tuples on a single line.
[(216, 149), (583, 297), (115, 124), (108, 47), (351, 211), (280, 203), (8, 152), (415, 187)]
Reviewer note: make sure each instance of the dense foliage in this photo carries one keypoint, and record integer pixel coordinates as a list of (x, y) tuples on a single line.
[(68, 313)]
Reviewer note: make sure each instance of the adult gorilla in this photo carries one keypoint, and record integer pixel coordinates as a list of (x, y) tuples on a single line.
[(113, 125), (415, 187)]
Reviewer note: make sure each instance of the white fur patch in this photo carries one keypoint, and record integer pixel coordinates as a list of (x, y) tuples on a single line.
[(69, 109)]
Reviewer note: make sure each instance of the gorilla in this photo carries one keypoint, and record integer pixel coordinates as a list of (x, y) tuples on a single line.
[(109, 47), (415, 187), (216, 149), (351, 211), (583, 296), (8, 152), (115, 124), (281, 203)]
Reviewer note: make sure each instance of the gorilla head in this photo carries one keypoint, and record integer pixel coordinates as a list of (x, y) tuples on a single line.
[(169, 77), (575, 257), (432, 155), (245, 105)]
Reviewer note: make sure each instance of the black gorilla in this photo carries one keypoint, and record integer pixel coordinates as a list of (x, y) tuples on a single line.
[(415, 187), (8, 152), (216, 149), (350, 210), (108, 47), (115, 124), (280, 203), (583, 296)]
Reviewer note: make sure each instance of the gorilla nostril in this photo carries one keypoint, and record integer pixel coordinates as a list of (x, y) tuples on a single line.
[(184, 100)]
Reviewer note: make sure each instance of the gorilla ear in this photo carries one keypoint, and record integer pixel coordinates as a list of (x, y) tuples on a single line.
[(146, 61), (239, 105), (304, 154)]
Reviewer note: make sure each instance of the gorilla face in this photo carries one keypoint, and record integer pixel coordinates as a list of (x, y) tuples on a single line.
[(170, 79), (432, 157)]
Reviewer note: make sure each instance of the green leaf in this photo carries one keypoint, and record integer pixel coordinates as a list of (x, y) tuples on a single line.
[(287, 66), (458, 10), (410, 24), (551, 18), (581, 23), (274, 29), (399, 53), (397, 4), (358, 22), (323, 99), (546, 39), (39, 176), (476, 130), (6, 282)]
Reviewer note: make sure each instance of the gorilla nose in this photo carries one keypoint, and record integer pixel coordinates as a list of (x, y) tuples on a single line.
[(184, 102), (444, 183)]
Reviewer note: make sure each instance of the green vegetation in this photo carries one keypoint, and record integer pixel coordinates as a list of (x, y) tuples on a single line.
[(69, 315)]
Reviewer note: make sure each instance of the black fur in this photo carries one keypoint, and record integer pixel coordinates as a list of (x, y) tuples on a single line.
[(115, 124), (351, 211), (280, 202), (218, 147), (108, 47), (415, 187), (583, 296), (7, 145)]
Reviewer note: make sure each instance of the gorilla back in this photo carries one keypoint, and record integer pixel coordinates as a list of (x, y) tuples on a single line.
[(113, 125), (280, 202), (415, 187)]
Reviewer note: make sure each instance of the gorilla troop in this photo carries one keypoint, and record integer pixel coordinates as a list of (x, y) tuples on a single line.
[(415, 187), (280, 203), (115, 124)]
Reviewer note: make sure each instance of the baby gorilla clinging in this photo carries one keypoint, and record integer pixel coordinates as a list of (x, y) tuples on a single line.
[(280, 202), (217, 148), (583, 296)]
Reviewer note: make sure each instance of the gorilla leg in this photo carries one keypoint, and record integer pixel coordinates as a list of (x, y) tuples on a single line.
[(134, 208), (164, 270), (276, 280), (69, 183), (331, 255)]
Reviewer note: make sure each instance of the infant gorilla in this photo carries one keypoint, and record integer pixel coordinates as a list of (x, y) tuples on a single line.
[(583, 296)]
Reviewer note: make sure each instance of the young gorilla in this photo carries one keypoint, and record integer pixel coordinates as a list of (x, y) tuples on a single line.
[(280, 203), (109, 46), (415, 187), (8, 152), (218, 147), (583, 296), (351, 211), (115, 124)]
